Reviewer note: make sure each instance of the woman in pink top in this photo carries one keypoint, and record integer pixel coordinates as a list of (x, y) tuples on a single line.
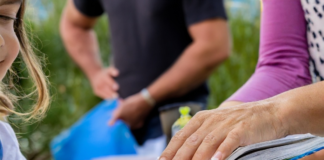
[(283, 55), (283, 65)]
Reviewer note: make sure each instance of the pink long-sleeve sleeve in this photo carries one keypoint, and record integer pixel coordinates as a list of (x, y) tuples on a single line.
[(283, 56)]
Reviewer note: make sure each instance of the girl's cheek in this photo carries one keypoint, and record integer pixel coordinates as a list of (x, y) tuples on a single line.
[(12, 48)]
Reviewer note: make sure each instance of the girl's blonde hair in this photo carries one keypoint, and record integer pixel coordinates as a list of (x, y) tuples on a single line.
[(35, 71)]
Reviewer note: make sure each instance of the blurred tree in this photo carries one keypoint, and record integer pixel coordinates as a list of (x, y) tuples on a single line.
[(240, 66)]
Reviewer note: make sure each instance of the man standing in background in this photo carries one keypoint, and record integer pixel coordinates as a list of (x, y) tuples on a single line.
[(163, 52)]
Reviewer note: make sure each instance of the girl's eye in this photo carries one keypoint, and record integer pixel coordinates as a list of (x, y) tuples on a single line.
[(6, 18)]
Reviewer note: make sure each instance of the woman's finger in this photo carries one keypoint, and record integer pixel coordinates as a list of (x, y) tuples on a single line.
[(209, 145), (180, 137), (231, 142), (190, 146)]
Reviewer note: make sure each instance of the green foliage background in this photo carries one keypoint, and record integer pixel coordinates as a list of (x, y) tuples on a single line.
[(72, 94)]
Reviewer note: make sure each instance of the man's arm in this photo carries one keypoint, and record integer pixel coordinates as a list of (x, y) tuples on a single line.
[(79, 38), (210, 47), (81, 43)]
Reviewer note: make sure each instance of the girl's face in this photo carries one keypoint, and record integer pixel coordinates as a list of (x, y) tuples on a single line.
[(9, 44)]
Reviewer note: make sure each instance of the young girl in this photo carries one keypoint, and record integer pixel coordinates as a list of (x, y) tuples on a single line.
[(12, 40)]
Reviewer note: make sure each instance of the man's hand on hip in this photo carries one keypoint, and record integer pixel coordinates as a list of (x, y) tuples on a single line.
[(132, 111), (103, 83)]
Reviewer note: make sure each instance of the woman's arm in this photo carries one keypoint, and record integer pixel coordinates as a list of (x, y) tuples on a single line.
[(302, 109), (283, 56)]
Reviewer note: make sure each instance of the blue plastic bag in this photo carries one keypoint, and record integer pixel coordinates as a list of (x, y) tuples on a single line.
[(91, 137)]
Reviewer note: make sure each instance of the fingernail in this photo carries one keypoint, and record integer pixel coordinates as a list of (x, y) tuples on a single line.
[(217, 156), (162, 158)]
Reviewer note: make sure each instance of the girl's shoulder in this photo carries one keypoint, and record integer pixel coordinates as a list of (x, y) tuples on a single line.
[(9, 148)]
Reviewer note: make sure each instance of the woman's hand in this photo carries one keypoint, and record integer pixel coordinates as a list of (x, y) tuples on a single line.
[(298, 111), (230, 104), (217, 133)]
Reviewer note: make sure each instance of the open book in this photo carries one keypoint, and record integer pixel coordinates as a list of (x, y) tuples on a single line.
[(130, 157), (280, 149)]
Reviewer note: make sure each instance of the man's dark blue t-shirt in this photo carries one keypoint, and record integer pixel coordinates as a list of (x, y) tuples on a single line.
[(148, 36)]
